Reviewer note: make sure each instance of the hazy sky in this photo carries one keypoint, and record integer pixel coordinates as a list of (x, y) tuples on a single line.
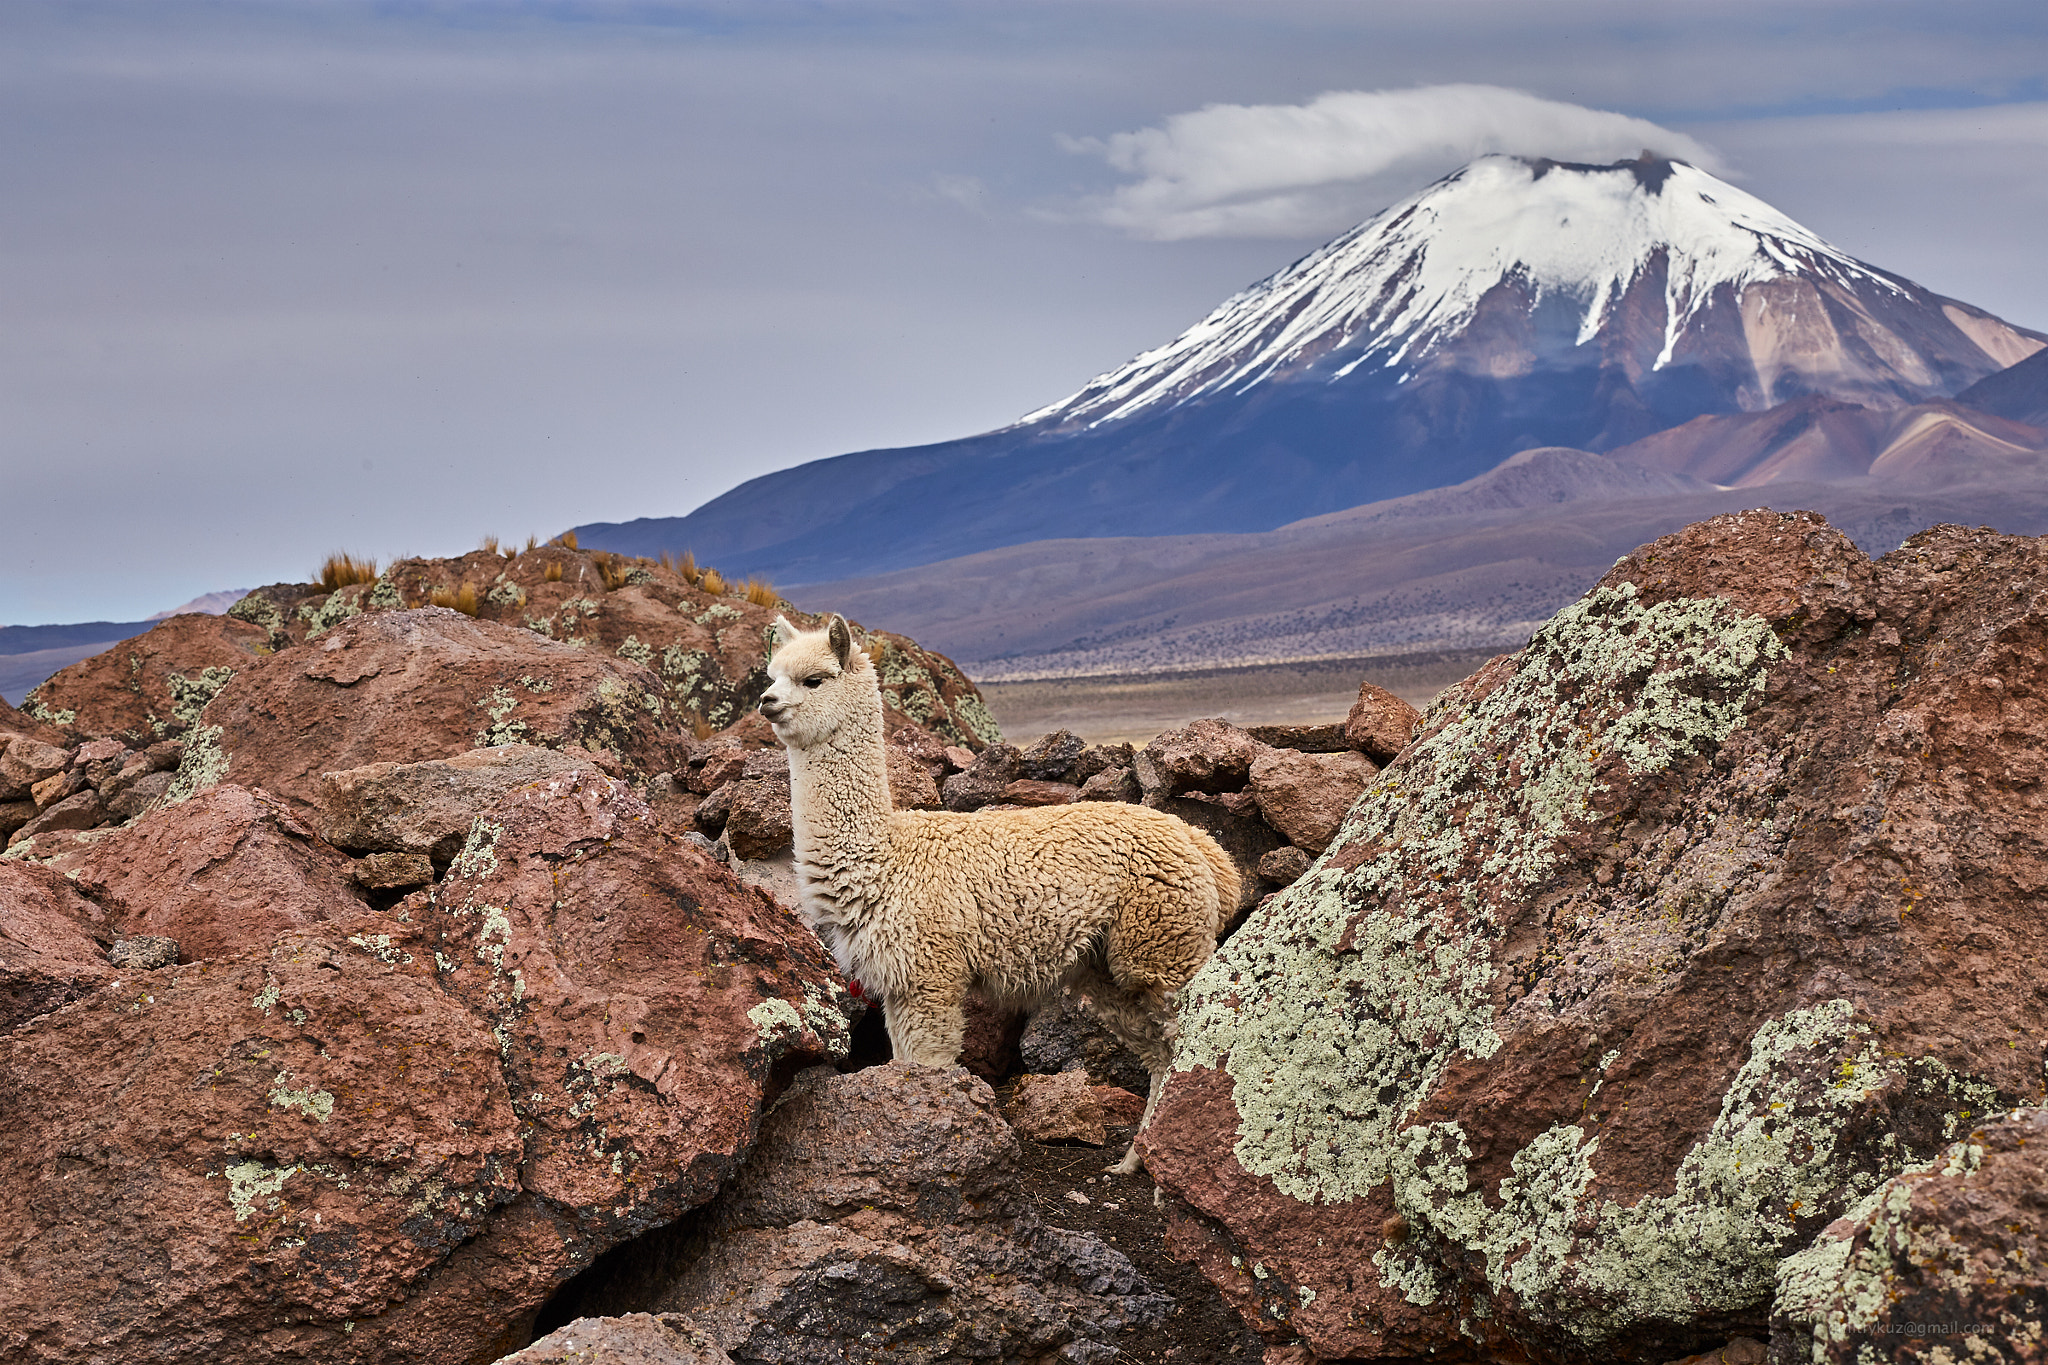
[(284, 278)]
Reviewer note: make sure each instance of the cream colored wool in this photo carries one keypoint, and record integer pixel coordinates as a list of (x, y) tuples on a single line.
[(1120, 902)]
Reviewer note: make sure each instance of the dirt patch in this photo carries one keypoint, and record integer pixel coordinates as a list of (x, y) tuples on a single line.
[(1133, 707)]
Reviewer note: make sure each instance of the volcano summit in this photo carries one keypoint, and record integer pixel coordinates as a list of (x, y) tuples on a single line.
[(1515, 303)]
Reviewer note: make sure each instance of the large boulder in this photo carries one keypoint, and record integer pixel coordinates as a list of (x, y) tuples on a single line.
[(880, 1219), (223, 873), (49, 952), (392, 1137), (154, 686), (1945, 1262), (427, 808), (1204, 756), (1669, 939), (411, 686)]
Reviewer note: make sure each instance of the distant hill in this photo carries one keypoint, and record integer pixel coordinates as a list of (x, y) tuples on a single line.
[(2019, 392), (1514, 304)]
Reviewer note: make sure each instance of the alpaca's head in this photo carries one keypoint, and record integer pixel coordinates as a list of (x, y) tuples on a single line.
[(818, 684)]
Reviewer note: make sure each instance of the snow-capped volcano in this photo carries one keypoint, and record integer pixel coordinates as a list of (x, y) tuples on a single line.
[(1659, 250), (1515, 304)]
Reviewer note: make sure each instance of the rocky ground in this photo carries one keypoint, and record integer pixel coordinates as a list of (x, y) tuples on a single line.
[(395, 982)]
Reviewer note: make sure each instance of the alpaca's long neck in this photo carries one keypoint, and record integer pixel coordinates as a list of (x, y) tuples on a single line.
[(839, 796)]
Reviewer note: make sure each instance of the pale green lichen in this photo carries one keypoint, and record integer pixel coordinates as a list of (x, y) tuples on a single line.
[(1844, 1284), (249, 1181), (317, 1105), (190, 695), (1712, 1246), (267, 997), (974, 716), (339, 606), (32, 705), (822, 1014), (204, 765), (631, 648), (719, 611), (506, 594), (499, 704), (479, 855), (1337, 1007), (384, 596), (258, 610), (380, 947)]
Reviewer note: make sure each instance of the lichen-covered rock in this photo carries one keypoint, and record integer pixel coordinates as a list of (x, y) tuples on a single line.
[(1380, 724), (1068, 1107), (48, 954), (880, 1219), (1304, 796), (1946, 1262), (629, 1339), (154, 686), (393, 1137), (1666, 941), (428, 807), (412, 686), (1205, 756), (223, 873)]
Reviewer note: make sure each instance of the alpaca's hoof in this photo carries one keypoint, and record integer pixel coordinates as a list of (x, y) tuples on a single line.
[(1130, 1165)]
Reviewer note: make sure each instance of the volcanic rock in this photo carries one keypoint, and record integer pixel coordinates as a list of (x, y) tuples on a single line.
[(879, 1219), (911, 782), (1206, 756), (1304, 796), (1667, 941), (629, 1339), (81, 811), (1025, 792), (154, 686), (428, 807), (1067, 1107), (1380, 723), (144, 953), (410, 686), (222, 873), (393, 1137), (1112, 784), (1053, 757), (1067, 1036), (1948, 1261), (993, 769), (757, 822), (1284, 866), (48, 956), (1309, 739), (25, 762)]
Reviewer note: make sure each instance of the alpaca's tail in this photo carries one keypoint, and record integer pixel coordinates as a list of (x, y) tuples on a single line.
[(1228, 884)]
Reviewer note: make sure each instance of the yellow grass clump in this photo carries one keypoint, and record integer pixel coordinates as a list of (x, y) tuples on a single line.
[(340, 570), (463, 599), (567, 540), (761, 595), (554, 571), (612, 569), (713, 582), (489, 545)]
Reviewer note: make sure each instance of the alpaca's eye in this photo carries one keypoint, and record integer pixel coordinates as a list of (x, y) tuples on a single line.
[(814, 680)]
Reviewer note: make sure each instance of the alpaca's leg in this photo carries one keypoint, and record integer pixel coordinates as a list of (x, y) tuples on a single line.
[(1143, 1021), (927, 1022)]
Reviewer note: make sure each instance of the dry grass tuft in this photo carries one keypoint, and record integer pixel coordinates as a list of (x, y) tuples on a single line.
[(612, 569), (463, 599), (761, 595), (554, 571), (700, 727), (489, 545), (340, 570), (713, 582), (532, 544), (567, 540)]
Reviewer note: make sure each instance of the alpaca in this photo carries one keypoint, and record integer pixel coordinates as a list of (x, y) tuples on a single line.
[(1119, 902)]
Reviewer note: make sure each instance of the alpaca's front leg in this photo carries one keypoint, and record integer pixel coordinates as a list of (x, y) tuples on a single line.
[(927, 1022)]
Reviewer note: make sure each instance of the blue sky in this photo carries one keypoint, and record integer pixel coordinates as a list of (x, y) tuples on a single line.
[(279, 279)]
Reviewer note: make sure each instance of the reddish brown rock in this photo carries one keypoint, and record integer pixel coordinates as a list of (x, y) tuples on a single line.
[(983, 780), (882, 1208), (395, 1137), (1304, 796), (911, 785), (25, 762), (428, 807), (16, 725), (1380, 723), (13, 815), (1308, 739), (1284, 866), (1112, 784), (1068, 1107), (1206, 756), (1668, 939), (154, 686), (409, 686), (1947, 1262), (629, 1339), (222, 873), (757, 822), (1025, 792), (81, 811), (48, 954)]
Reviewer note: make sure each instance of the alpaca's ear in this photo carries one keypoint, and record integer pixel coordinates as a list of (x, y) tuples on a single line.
[(780, 633), (841, 639)]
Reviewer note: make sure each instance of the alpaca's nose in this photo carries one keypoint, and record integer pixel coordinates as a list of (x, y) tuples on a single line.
[(771, 708)]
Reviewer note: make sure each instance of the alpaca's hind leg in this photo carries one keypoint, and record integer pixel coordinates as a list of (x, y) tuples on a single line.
[(927, 1023), (1142, 1020)]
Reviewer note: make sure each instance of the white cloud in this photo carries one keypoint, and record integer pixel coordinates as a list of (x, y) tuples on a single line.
[(1288, 170)]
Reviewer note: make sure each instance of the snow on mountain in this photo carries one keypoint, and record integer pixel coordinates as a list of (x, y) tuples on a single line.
[(1575, 242)]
